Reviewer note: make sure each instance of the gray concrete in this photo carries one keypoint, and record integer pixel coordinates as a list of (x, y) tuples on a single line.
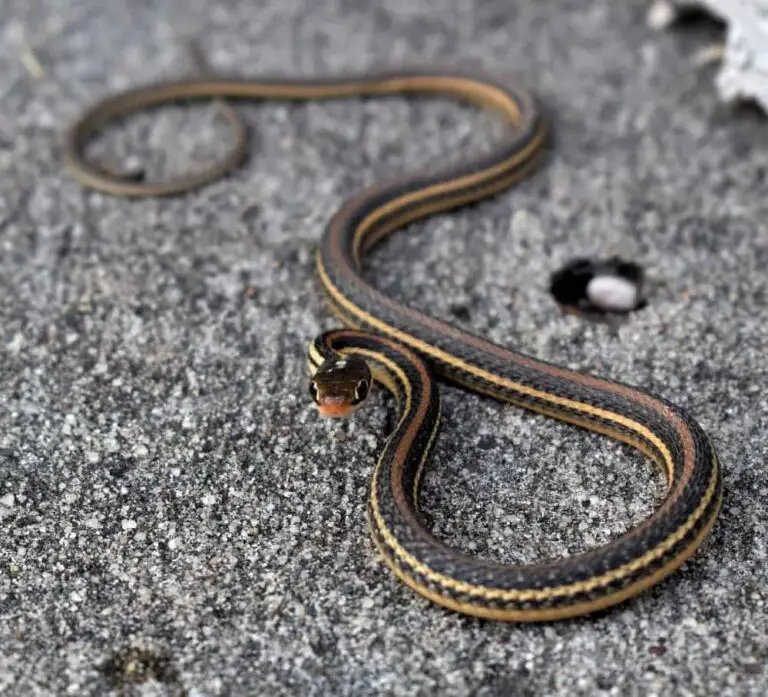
[(173, 510)]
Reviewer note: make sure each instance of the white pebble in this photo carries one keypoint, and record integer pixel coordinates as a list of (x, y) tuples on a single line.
[(129, 524), (612, 293)]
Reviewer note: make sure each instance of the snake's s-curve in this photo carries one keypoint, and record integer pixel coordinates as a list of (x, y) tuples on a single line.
[(406, 348)]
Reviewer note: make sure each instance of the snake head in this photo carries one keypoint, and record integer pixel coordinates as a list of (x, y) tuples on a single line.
[(340, 385)]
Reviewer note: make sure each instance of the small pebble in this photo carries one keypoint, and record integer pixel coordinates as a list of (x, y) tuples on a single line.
[(612, 293)]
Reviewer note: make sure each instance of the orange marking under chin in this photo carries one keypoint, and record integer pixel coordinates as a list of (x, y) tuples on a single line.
[(335, 410)]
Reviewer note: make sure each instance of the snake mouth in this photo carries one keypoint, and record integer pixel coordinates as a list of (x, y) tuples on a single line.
[(334, 407)]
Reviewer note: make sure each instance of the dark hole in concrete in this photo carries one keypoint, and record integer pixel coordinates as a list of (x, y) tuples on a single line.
[(599, 289)]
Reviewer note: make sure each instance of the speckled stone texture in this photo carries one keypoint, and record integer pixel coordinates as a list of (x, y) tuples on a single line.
[(177, 520)]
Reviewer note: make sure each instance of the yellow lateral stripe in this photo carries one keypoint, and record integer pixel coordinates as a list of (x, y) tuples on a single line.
[(468, 88), (427, 451), (532, 594), (565, 590), (435, 207), (548, 614), (446, 187), (584, 422)]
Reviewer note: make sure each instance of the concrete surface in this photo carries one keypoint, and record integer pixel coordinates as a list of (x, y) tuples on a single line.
[(176, 518)]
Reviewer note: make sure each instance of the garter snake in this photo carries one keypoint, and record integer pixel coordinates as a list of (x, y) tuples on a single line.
[(405, 349)]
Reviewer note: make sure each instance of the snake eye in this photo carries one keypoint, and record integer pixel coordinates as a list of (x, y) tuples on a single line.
[(313, 390), (361, 390)]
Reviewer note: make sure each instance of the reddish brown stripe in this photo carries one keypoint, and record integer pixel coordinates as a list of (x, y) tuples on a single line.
[(414, 427)]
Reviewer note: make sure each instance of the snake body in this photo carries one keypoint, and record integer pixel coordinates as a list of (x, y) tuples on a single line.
[(406, 349)]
